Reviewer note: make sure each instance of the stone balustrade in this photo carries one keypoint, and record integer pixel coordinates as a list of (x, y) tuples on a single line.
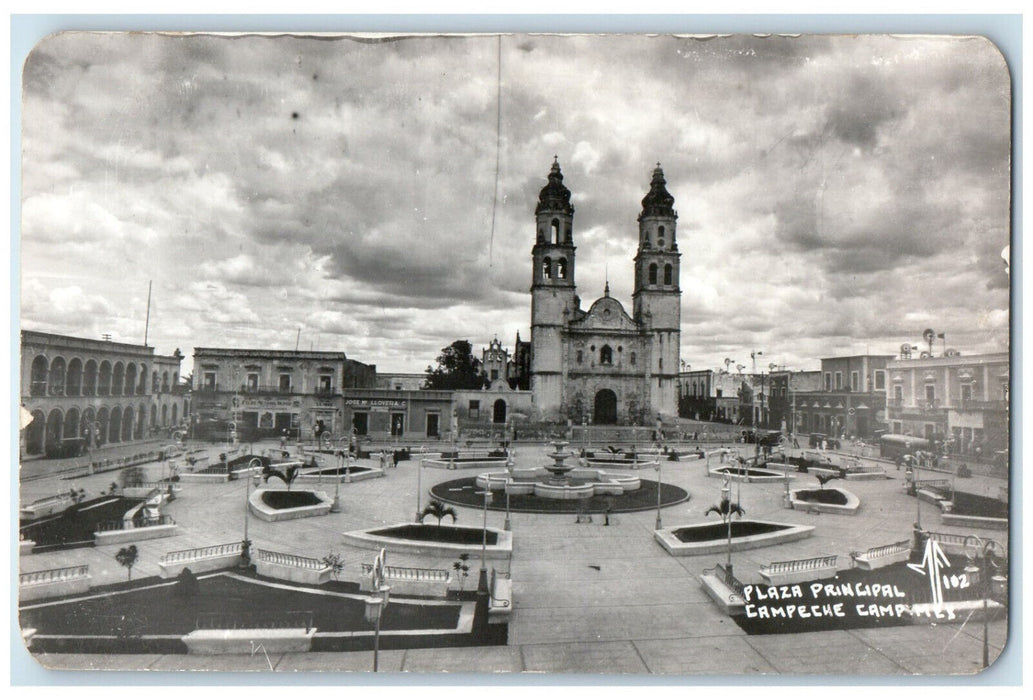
[(122, 531), (291, 567), (49, 583), (406, 580), (884, 555), (200, 559), (798, 570)]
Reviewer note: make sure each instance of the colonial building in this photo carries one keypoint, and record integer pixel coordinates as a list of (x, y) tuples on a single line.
[(401, 381), (84, 393), (960, 399), (604, 364), (785, 388), (851, 399), (267, 392)]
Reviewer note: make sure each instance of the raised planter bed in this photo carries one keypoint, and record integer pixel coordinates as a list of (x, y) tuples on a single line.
[(340, 475), (827, 500), (451, 540), (709, 538), (275, 505), (749, 475)]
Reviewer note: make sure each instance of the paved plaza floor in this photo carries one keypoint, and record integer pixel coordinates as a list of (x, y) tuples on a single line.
[(588, 598)]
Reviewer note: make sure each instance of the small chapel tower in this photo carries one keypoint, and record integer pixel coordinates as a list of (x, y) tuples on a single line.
[(657, 296)]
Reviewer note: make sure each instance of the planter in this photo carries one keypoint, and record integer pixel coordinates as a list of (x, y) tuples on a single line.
[(849, 506), (502, 549), (773, 533), (266, 507)]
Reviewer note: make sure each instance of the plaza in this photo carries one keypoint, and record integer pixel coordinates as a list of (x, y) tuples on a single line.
[(587, 597)]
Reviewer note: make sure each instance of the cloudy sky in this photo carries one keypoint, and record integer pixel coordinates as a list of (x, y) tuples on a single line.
[(835, 194)]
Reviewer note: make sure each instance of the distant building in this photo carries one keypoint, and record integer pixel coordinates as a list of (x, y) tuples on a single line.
[(851, 399), (960, 399), (401, 381), (268, 392), (84, 393), (720, 396), (785, 388)]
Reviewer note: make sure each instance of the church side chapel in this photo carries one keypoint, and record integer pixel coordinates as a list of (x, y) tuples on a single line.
[(604, 366)]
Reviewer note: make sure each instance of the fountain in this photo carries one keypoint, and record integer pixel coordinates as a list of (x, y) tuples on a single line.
[(559, 470)]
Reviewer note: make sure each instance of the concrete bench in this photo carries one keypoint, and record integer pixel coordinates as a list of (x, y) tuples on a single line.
[(798, 570), (878, 557), (500, 602), (249, 641)]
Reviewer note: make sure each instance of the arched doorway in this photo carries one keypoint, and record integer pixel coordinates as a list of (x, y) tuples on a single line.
[(34, 433), (102, 426), (127, 424), (55, 426), (605, 412), (71, 423), (38, 376), (498, 414), (115, 425)]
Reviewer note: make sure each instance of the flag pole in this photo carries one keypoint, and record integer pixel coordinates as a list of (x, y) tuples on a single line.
[(147, 322)]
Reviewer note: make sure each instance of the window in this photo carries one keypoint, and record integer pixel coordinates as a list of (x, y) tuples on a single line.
[(285, 382), (555, 230), (880, 380), (839, 380), (855, 379), (326, 382), (828, 381), (494, 374), (652, 273), (930, 392), (668, 274), (561, 268), (547, 268), (898, 392), (966, 392), (475, 408), (660, 237), (631, 358), (252, 381), (580, 356), (209, 381), (606, 355)]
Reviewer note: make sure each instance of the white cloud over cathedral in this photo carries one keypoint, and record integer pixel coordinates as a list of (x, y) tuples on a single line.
[(828, 188)]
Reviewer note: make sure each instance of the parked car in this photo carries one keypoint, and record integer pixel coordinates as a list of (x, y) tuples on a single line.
[(817, 439)]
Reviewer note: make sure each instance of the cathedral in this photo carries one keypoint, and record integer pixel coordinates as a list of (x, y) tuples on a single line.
[(603, 366)]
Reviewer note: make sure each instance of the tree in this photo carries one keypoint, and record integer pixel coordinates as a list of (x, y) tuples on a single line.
[(437, 509), (462, 570), (335, 563), (127, 556), (287, 477), (457, 369), (825, 478), (726, 509)]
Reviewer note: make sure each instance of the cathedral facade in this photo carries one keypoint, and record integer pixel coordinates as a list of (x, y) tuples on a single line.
[(604, 366)]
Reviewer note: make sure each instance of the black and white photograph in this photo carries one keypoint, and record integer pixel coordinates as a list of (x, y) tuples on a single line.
[(661, 355)]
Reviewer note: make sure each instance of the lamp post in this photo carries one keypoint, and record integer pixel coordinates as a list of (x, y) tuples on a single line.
[(482, 580), (509, 476), (419, 481), (986, 549), (376, 603), (342, 460), (726, 495), (659, 485), (245, 545)]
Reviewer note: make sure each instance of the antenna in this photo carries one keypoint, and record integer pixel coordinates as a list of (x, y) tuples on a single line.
[(298, 341), (147, 323)]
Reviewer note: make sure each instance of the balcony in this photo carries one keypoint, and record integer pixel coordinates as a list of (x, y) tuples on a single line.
[(978, 405)]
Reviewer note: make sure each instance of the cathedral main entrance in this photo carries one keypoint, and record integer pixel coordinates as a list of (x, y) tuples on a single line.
[(605, 412)]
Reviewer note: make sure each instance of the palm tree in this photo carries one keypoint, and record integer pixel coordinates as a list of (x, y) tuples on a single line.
[(438, 510), (462, 570), (127, 556), (287, 477), (726, 509), (825, 478)]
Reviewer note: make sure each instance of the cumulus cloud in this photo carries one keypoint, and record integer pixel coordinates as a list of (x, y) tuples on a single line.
[(828, 188)]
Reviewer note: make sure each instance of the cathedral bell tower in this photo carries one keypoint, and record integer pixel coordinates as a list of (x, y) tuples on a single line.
[(553, 294), (657, 296)]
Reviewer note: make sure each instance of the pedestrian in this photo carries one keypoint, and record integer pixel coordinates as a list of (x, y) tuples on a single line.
[(283, 439)]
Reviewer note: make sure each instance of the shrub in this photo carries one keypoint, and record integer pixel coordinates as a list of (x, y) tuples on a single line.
[(186, 584)]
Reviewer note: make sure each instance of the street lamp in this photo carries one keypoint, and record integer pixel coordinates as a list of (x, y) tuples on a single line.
[(482, 581), (342, 461), (986, 549), (509, 476), (376, 603), (659, 488), (245, 546), (419, 480)]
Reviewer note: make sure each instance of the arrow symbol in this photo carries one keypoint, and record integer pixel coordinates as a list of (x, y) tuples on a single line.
[(932, 560)]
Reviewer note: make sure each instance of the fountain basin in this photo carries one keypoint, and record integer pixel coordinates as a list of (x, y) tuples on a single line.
[(709, 538), (827, 500), (339, 474), (580, 483)]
